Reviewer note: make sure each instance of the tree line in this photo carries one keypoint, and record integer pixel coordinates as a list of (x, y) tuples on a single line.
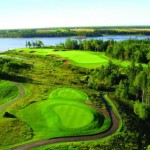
[(66, 32), (128, 50), (48, 33), (34, 44), (92, 45), (131, 85)]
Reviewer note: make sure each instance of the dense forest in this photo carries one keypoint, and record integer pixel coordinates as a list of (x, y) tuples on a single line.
[(131, 85), (78, 32)]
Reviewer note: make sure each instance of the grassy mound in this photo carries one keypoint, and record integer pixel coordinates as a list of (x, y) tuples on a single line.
[(13, 131), (8, 91), (68, 93), (61, 116)]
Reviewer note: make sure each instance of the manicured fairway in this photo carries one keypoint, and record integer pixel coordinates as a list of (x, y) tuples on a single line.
[(63, 115), (86, 59), (79, 58), (8, 91)]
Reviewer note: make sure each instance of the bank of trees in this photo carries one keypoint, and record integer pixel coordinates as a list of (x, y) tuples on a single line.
[(130, 50), (92, 45), (131, 85), (136, 85), (34, 44), (104, 77)]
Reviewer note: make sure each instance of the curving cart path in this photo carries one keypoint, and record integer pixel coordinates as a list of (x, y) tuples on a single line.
[(15, 99)]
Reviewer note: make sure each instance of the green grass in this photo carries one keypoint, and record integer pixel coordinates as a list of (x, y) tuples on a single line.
[(61, 116), (82, 117), (82, 30), (68, 93), (8, 91), (86, 59), (102, 140)]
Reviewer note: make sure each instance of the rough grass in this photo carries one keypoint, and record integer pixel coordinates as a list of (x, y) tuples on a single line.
[(59, 117), (8, 91), (13, 131), (82, 30)]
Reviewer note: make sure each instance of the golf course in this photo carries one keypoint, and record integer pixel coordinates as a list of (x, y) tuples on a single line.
[(62, 115), (64, 111), (53, 98)]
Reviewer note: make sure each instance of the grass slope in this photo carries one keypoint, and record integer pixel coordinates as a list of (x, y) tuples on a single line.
[(8, 91), (61, 116), (69, 93)]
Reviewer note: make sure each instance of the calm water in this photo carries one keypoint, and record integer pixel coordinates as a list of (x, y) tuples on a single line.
[(12, 43)]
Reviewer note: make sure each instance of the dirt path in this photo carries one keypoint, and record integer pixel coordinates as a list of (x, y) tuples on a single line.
[(111, 130), (16, 99)]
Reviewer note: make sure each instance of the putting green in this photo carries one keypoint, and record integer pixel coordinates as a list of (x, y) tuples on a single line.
[(63, 114), (8, 91), (73, 116)]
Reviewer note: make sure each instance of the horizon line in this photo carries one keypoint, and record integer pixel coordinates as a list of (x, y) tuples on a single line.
[(75, 27)]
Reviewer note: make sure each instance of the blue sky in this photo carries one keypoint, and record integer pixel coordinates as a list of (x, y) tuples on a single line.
[(61, 13)]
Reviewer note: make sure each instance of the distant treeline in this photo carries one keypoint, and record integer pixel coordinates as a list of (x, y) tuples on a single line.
[(47, 33), (113, 32), (79, 32)]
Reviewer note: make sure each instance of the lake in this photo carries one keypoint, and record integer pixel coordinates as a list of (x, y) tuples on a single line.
[(12, 43)]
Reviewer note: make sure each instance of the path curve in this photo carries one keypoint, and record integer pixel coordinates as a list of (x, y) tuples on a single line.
[(111, 130), (15, 99)]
